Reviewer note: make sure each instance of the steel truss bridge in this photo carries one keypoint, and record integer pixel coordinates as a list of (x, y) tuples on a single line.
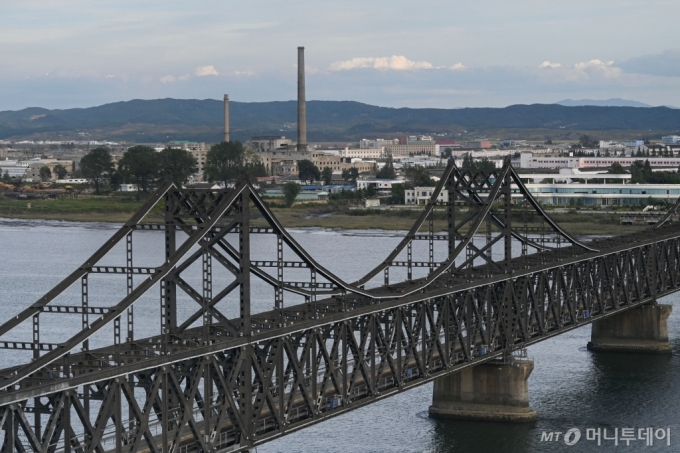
[(194, 378)]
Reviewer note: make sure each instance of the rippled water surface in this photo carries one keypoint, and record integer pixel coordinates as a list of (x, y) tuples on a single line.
[(569, 387)]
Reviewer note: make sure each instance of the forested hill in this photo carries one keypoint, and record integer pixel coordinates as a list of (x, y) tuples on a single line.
[(174, 119)]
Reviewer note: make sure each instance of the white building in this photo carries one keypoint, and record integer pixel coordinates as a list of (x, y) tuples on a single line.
[(363, 153), (528, 160), (621, 193), (384, 185), (671, 140), (15, 169), (421, 195)]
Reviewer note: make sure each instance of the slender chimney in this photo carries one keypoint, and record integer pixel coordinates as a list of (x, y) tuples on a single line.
[(226, 117), (302, 104)]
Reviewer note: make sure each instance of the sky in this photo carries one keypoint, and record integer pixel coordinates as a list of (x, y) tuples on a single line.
[(430, 53)]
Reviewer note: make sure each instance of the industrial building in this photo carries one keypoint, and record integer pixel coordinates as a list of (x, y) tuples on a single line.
[(569, 189), (528, 160)]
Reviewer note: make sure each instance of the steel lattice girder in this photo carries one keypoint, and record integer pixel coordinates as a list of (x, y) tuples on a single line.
[(306, 376), (329, 356)]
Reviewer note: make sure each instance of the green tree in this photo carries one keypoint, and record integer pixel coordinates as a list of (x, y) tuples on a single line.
[(224, 162), (96, 165), (350, 174), (307, 171), (587, 142), (387, 172), (177, 162), (45, 173), (290, 191), (418, 176), (447, 153), (115, 180), (327, 175), (140, 165), (616, 169), (61, 171), (6, 177), (397, 195)]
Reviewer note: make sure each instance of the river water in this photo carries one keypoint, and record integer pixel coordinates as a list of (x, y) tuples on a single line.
[(570, 387)]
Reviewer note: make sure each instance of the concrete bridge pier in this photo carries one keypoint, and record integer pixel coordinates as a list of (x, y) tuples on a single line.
[(641, 329), (491, 391)]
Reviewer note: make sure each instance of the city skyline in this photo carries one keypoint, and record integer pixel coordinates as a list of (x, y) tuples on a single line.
[(435, 54)]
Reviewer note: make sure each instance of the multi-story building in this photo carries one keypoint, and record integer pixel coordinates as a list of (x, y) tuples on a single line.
[(34, 166), (269, 143), (564, 193), (14, 169), (421, 195), (363, 153), (671, 140), (528, 160), (479, 144), (441, 145), (412, 149), (380, 185), (377, 143)]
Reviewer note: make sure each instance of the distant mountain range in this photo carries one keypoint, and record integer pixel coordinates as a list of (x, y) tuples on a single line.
[(176, 119), (613, 102)]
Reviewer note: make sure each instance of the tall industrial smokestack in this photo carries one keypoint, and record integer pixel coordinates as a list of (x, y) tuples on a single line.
[(302, 104), (226, 117)]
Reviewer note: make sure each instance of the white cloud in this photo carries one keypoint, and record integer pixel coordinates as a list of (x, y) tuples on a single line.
[(457, 67), (395, 62), (579, 72), (607, 68), (244, 73), (202, 71), (167, 79), (185, 77)]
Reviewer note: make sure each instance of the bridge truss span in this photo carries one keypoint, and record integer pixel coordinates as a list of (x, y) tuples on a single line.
[(218, 373)]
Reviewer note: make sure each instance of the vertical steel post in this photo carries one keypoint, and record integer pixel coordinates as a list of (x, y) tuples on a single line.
[(165, 422), (507, 208), (409, 257), (489, 250), (67, 422), (10, 430), (431, 241), (278, 301), (118, 413), (451, 211), (169, 293), (312, 298), (244, 263), (207, 377), (85, 315), (207, 290), (36, 336), (397, 340), (130, 285), (246, 374)]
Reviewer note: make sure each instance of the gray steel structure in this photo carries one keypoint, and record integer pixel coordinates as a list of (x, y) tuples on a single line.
[(210, 383)]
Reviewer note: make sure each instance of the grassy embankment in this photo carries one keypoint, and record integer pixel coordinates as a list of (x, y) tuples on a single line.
[(118, 209)]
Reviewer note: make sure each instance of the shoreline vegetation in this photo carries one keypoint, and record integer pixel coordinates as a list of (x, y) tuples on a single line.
[(119, 209)]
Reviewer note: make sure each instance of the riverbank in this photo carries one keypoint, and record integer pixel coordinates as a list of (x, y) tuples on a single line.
[(120, 209)]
